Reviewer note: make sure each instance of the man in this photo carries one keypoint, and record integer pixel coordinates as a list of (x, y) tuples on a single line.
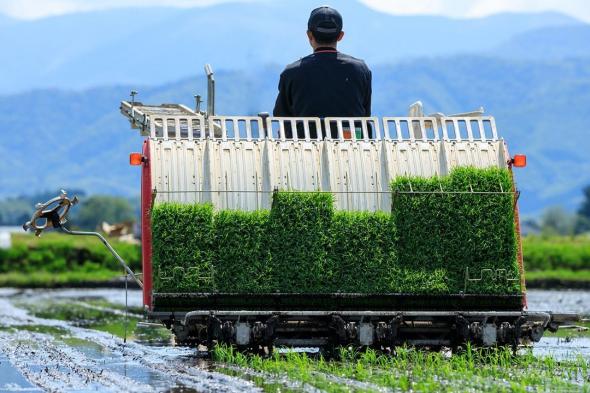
[(326, 83)]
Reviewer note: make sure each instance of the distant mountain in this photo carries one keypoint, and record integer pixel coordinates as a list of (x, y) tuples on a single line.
[(159, 45), (548, 43), (55, 138)]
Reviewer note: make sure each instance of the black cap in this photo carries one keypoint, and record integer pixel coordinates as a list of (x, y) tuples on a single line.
[(325, 23)]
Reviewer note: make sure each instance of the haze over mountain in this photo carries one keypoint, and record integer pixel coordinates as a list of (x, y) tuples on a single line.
[(78, 139), (532, 71), (158, 45), (554, 42)]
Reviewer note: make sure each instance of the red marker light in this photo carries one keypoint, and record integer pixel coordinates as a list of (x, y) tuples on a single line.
[(135, 159), (519, 160)]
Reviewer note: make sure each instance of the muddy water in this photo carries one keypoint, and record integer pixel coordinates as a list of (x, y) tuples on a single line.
[(568, 346), (61, 355), (43, 347)]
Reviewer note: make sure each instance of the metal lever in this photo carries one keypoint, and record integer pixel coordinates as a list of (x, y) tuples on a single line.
[(198, 102), (54, 213), (210, 90)]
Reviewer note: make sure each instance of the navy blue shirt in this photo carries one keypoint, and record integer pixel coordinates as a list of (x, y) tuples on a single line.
[(326, 83)]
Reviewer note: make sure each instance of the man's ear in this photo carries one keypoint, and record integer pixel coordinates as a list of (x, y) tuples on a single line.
[(340, 36), (310, 36)]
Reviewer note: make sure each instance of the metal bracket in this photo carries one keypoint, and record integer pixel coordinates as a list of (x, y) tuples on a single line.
[(51, 214)]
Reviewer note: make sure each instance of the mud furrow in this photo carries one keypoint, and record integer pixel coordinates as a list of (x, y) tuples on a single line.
[(52, 368), (109, 310), (168, 361)]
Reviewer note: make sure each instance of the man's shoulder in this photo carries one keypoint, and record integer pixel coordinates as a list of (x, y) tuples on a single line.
[(353, 60), (311, 59), (294, 66)]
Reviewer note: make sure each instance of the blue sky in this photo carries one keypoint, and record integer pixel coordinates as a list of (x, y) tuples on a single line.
[(34, 9)]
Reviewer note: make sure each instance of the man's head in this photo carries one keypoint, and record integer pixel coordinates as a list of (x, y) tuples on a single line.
[(324, 27)]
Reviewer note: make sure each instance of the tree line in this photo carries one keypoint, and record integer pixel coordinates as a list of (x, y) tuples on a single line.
[(89, 214), (556, 220), (94, 209)]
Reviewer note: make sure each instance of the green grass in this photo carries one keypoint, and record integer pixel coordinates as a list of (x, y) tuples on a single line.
[(556, 253), (561, 259), (53, 330), (559, 274), (45, 279), (58, 259), (493, 370), (102, 303)]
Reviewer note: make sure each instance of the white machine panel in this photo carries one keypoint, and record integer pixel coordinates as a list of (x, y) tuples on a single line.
[(245, 159)]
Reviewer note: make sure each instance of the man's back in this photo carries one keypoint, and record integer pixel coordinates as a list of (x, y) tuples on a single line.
[(323, 84)]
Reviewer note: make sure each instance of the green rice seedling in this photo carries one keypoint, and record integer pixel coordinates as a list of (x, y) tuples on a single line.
[(182, 247), (296, 367), (410, 369), (464, 220), (438, 228), (362, 253), (417, 280), (220, 353), (242, 259), (369, 356), (488, 224), (299, 236), (363, 258)]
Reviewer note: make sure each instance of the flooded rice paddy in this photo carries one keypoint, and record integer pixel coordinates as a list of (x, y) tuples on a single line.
[(72, 340)]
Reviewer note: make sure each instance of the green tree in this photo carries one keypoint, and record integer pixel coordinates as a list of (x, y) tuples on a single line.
[(14, 211), (98, 208), (557, 221), (583, 221)]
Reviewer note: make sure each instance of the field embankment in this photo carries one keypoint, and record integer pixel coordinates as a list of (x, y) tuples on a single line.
[(56, 260), (557, 262)]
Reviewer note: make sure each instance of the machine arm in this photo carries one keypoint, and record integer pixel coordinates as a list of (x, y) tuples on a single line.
[(53, 214)]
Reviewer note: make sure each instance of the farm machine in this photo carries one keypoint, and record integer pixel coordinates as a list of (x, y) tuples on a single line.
[(191, 156)]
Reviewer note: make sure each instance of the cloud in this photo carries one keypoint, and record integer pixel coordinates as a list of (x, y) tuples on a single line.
[(35, 9), (478, 8)]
